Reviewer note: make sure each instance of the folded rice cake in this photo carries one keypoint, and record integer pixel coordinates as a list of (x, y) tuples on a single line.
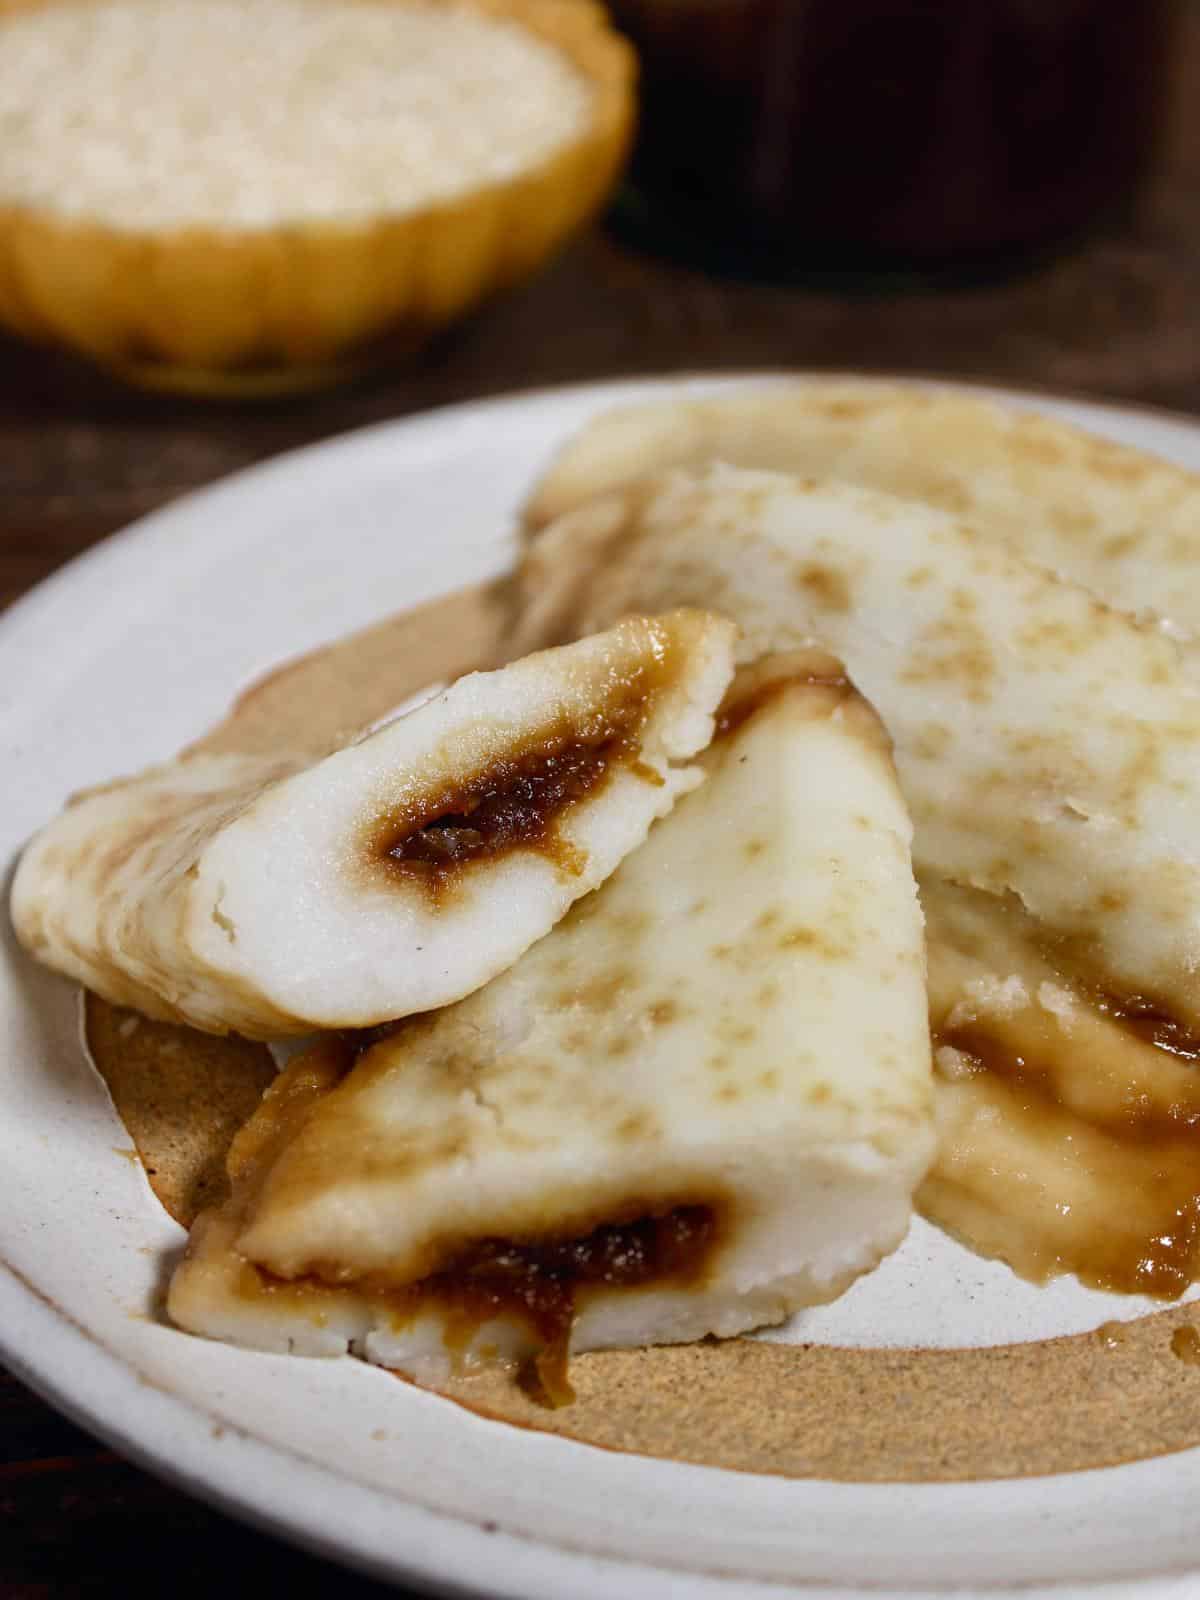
[(702, 1101), (1047, 745), (1122, 523), (276, 896)]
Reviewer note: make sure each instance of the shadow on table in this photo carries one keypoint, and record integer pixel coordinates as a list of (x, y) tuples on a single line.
[(83, 1523)]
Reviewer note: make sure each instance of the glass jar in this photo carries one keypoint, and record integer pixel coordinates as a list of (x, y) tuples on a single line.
[(785, 135)]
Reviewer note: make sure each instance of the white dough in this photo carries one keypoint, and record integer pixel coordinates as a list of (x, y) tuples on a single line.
[(1048, 746), (736, 1020), (250, 895)]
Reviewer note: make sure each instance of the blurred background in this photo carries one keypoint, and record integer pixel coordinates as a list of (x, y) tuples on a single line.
[(1001, 190), (1098, 293)]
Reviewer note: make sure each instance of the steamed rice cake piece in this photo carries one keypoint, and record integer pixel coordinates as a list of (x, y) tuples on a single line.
[(274, 896), (702, 1101), (1122, 523), (1047, 745)]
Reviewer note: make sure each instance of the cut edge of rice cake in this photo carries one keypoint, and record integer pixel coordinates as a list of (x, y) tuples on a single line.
[(715, 1212), (213, 889)]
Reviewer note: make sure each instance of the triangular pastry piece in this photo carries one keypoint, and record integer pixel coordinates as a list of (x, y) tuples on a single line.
[(702, 1101)]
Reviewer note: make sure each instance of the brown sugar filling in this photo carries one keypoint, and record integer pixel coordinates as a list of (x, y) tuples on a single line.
[(541, 1282), (520, 800), (516, 803)]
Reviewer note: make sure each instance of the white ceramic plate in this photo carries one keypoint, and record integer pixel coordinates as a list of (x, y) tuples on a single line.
[(117, 661)]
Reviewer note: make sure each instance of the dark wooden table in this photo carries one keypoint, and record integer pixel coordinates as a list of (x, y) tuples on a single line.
[(1118, 318)]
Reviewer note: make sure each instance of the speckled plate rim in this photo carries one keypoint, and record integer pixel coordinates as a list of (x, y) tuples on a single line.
[(49, 1341)]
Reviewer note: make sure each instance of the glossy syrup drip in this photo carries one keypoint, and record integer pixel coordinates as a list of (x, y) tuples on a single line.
[(542, 1283), (1069, 1119)]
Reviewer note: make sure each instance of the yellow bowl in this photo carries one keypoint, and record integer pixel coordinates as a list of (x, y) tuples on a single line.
[(255, 312)]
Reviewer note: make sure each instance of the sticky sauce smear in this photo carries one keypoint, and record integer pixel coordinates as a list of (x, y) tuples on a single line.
[(1185, 1343), (1070, 1124), (1113, 1335), (543, 1284)]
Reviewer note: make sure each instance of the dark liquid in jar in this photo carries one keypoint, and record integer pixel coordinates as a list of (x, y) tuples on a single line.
[(913, 131)]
